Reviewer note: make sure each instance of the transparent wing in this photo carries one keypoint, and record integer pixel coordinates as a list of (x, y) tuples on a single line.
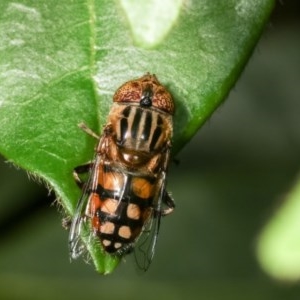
[(76, 246), (80, 224), (144, 248)]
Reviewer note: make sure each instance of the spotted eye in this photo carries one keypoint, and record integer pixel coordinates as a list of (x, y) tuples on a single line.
[(162, 100), (130, 91), (146, 91)]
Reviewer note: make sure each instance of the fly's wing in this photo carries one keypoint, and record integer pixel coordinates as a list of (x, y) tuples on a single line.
[(80, 224), (144, 248), (76, 246)]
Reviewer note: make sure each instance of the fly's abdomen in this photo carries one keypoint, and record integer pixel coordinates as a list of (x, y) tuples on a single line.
[(120, 207)]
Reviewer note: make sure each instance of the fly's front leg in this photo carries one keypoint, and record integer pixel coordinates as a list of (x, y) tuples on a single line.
[(88, 130), (101, 149), (85, 168), (82, 169)]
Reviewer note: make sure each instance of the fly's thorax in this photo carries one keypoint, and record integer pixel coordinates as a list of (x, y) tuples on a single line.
[(139, 133)]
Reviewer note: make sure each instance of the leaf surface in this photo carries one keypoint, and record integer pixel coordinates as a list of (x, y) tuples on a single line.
[(60, 63)]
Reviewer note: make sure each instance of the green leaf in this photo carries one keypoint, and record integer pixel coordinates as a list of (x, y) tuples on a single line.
[(60, 63), (278, 247)]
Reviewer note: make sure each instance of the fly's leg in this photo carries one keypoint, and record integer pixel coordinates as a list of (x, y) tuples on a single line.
[(88, 130), (82, 169), (169, 202), (85, 168)]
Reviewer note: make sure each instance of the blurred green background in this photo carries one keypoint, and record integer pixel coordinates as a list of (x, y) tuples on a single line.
[(231, 179)]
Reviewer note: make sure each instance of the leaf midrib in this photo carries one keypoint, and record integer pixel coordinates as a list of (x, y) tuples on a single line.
[(92, 62)]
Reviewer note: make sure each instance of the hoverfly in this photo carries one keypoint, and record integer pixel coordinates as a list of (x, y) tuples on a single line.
[(125, 194)]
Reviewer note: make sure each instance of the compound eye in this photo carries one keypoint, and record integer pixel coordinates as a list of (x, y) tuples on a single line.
[(162, 100), (147, 91), (130, 91)]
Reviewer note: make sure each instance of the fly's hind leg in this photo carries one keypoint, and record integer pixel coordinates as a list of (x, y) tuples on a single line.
[(169, 202), (82, 169)]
